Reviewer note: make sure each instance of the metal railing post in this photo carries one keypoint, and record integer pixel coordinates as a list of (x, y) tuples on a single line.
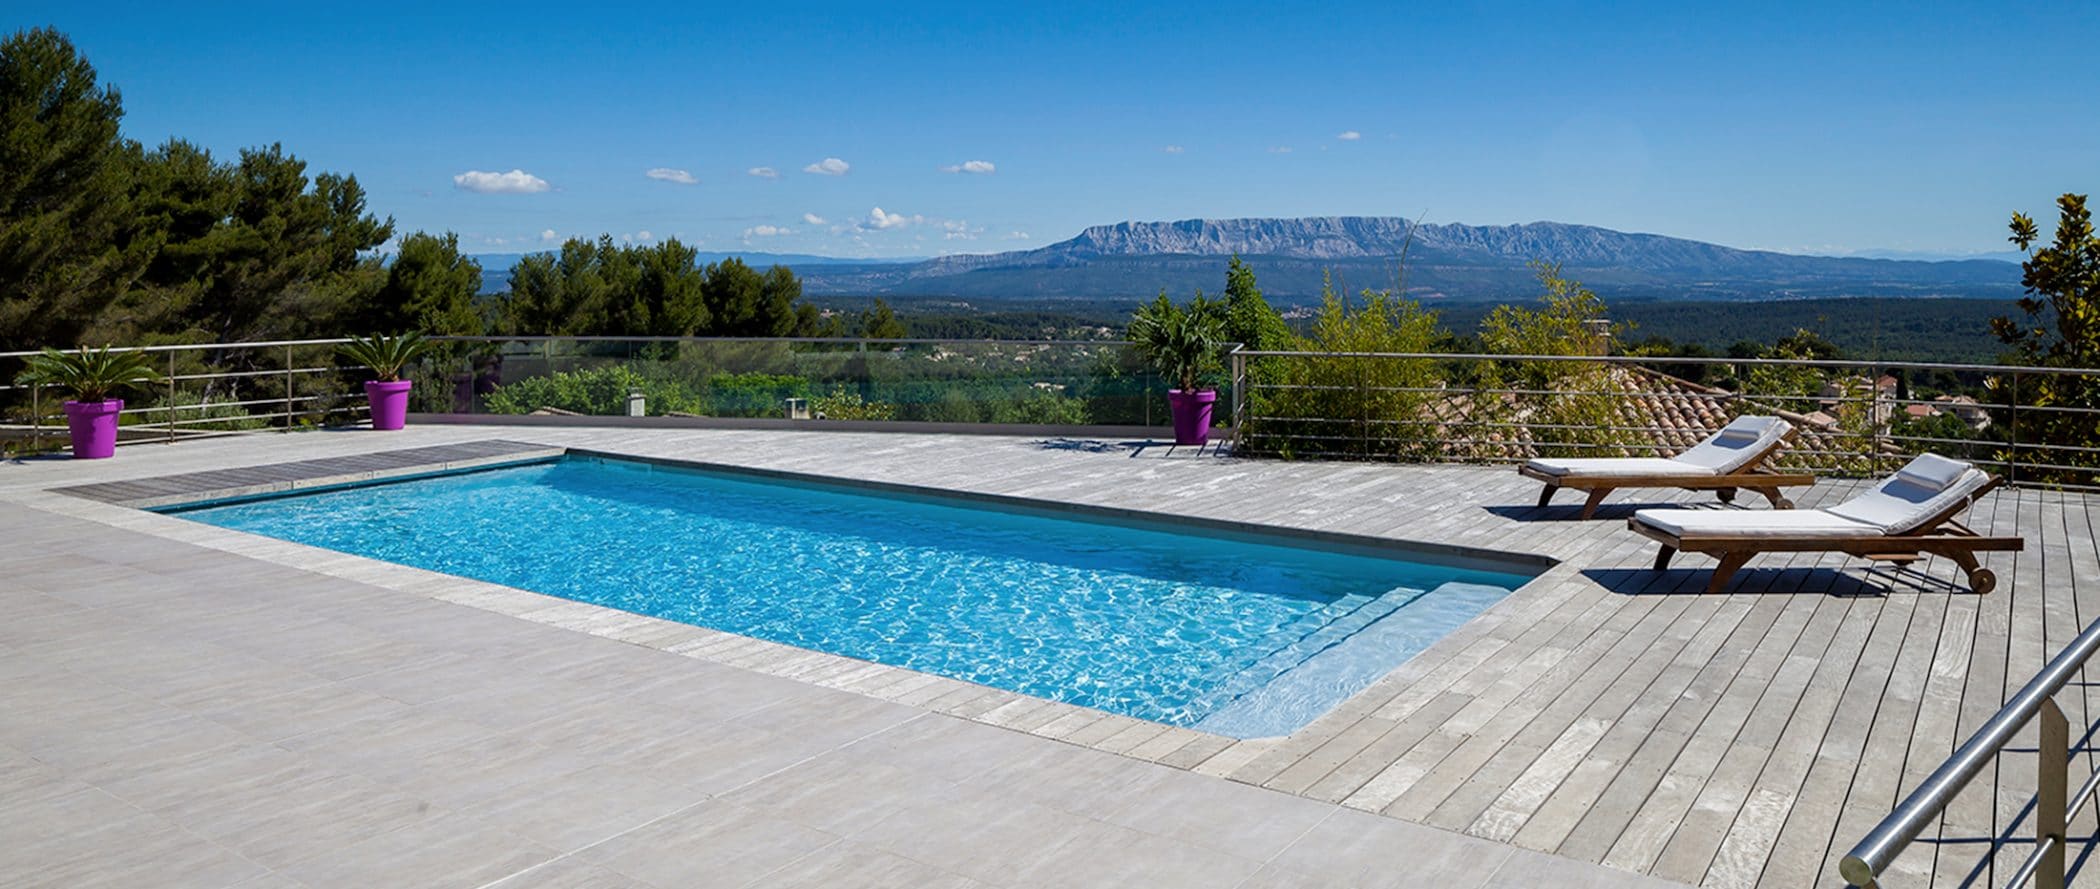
[(1239, 394), (2012, 466), (2053, 754), (171, 397), (36, 417), (287, 388)]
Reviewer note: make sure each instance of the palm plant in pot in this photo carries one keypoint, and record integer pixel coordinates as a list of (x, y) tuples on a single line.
[(1182, 343), (92, 377), (385, 356)]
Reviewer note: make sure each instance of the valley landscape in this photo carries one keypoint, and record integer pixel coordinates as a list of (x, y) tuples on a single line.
[(1673, 289)]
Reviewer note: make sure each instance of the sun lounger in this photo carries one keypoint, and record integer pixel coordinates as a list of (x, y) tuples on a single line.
[(1905, 518), (1729, 459)]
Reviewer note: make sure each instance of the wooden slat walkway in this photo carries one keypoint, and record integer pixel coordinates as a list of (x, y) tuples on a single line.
[(1605, 712), (293, 475)]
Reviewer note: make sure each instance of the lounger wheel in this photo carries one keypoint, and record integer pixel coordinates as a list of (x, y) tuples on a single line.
[(1727, 495), (1983, 581), (1782, 503)]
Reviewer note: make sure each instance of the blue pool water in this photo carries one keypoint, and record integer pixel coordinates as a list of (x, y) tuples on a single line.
[(1225, 633)]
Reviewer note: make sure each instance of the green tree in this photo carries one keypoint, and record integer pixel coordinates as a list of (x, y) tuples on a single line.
[(744, 302), (1569, 407), (669, 296), (2061, 329), (2063, 290), (430, 286), (598, 288), (565, 293), (878, 322), (68, 244), (1340, 406), (1249, 320)]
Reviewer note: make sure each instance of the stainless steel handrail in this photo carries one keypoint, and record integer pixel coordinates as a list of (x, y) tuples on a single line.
[(1871, 857), (1695, 360), (191, 347)]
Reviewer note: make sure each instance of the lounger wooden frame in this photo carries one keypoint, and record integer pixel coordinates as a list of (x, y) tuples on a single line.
[(1939, 536), (1751, 477)]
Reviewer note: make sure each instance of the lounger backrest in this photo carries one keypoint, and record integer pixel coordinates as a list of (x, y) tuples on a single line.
[(1922, 489), (1737, 444)]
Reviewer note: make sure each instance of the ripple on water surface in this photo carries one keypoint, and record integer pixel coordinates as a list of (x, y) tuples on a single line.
[(1151, 623)]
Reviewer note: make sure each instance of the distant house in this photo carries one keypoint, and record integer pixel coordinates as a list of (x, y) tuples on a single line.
[(1968, 409)]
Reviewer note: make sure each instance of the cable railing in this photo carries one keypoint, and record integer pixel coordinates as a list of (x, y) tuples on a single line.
[(205, 389), (2055, 805), (2033, 425)]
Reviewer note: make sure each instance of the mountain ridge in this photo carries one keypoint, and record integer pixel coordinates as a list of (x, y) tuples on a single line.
[(1455, 261)]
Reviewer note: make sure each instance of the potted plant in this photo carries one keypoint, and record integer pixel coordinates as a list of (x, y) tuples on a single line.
[(1182, 343), (92, 377), (385, 356)]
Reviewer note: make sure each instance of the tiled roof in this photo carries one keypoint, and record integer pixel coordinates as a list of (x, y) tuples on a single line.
[(1656, 414)]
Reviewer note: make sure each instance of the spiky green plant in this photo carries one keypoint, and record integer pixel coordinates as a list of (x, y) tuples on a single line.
[(385, 355), (89, 374), (1182, 343)]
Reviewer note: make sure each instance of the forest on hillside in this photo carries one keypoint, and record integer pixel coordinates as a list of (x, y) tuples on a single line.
[(1929, 330)]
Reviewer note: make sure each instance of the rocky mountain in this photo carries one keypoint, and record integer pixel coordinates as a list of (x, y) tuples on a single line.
[(1457, 262)]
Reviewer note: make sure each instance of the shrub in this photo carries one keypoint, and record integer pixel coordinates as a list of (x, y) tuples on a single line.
[(598, 391), (1043, 407), (753, 394), (1352, 407), (845, 404)]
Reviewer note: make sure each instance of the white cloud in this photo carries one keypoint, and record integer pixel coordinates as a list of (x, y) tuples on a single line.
[(960, 230), (1280, 149), (764, 172), (829, 166), (978, 167), (880, 220), (812, 219), (1172, 149), (513, 182), (666, 174), (548, 235), (1016, 236), (767, 231), (644, 235), (1349, 135)]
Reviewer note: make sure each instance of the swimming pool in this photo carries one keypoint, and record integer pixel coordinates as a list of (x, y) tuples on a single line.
[(1224, 632)]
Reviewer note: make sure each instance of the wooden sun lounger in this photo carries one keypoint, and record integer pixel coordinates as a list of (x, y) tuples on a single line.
[(1751, 477), (1940, 535)]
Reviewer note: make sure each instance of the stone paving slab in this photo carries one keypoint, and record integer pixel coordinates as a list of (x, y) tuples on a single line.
[(160, 725), (1603, 713)]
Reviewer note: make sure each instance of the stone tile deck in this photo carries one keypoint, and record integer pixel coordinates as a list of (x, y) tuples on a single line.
[(181, 700)]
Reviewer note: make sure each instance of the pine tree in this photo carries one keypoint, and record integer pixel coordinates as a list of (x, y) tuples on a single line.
[(68, 244)]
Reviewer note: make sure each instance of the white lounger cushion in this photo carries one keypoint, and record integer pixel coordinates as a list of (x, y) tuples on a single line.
[(1752, 523), (1738, 443), (1923, 488), (1725, 451), (1614, 467)]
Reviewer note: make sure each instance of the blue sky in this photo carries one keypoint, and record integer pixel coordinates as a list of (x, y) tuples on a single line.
[(1790, 126)]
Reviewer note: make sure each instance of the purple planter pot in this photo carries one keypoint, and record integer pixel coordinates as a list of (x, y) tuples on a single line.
[(1191, 415), (94, 427), (389, 402)]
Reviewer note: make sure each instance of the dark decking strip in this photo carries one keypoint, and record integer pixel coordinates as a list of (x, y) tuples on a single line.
[(273, 477)]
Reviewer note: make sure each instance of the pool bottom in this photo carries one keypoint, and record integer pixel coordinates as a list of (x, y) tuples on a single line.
[(1150, 639)]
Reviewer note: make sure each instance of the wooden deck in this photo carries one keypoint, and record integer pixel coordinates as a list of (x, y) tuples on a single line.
[(1604, 712)]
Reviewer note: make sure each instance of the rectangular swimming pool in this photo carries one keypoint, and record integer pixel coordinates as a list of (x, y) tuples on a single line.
[(1224, 632)]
